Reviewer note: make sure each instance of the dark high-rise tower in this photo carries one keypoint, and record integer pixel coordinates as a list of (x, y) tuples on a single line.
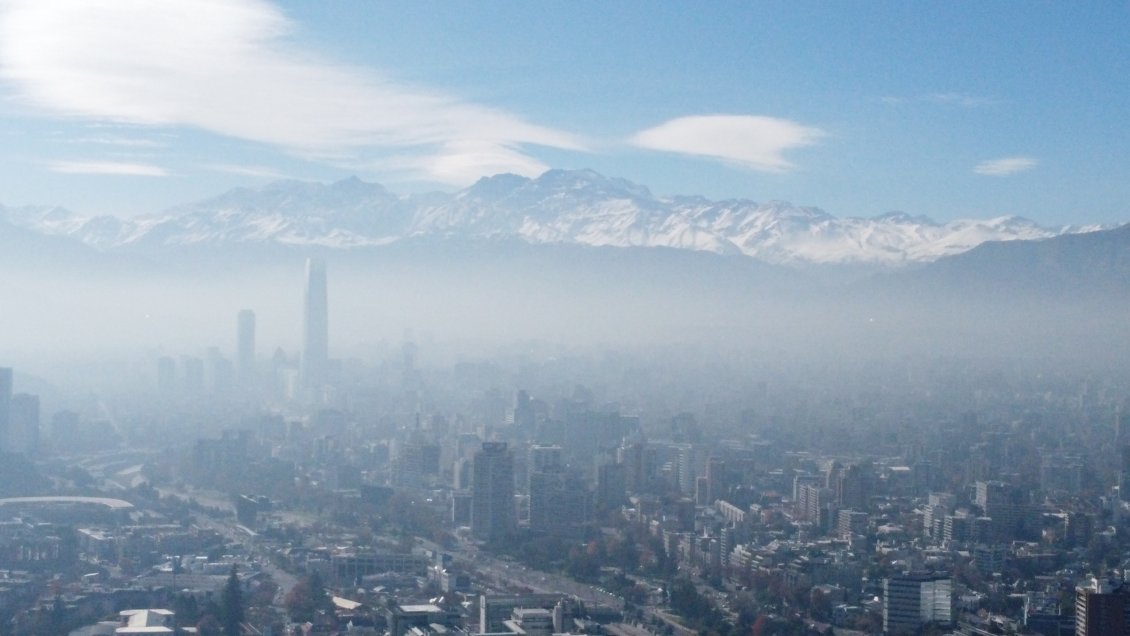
[(1101, 608), (315, 325), (245, 347), (492, 492)]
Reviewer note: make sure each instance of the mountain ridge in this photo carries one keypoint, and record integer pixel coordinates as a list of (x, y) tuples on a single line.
[(560, 206)]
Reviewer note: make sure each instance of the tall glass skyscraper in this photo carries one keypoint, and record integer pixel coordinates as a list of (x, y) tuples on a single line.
[(315, 325)]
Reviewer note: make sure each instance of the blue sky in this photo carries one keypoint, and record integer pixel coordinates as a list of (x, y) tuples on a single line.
[(951, 110)]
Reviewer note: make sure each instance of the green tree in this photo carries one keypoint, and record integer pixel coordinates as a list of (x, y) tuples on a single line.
[(584, 563), (186, 608), (209, 626), (231, 608), (306, 598)]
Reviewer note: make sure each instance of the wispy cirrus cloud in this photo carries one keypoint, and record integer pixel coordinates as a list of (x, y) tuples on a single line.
[(751, 141), (107, 168), (230, 67), (1005, 166), (117, 141)]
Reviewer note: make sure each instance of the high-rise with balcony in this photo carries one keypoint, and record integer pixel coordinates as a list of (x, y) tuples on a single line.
[(1101, 607)]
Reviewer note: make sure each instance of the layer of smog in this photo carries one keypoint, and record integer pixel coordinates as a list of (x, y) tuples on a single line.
[(563, 319)]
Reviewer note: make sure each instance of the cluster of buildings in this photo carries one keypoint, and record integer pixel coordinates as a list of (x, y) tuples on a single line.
[(982, 525), (933, 501), (299, 377)]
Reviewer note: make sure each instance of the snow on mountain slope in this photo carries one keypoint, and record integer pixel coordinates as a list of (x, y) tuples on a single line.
[(561, 206)]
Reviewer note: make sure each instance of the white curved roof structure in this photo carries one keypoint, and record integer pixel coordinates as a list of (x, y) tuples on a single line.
[(114, 504)]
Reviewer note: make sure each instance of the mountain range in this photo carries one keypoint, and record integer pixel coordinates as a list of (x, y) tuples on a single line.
[(561, 207), (570, 256)]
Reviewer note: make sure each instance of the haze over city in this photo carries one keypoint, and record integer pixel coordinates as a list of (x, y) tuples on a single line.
[(534, 319)]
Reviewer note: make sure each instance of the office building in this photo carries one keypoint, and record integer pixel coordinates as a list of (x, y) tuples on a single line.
[(633, 456), (492, 492), (716, 482), (414, 459), (851, 522), (245, 347), (816, 505), (1101, 607), (315, 325), (544, 458), (425, 618), (1005, 505), (691, 464), (852, 487), (611, 486), (913, 600), (496, 609), (461, 508), (559, 502)]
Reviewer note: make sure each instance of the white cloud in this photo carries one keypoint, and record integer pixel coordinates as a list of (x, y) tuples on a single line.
[(751, 141), (229, 67), (115, 140), (108, 168), (1005, 166), (462, 163)]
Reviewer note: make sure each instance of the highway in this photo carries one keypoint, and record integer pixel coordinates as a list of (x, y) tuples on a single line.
[(511, 575)]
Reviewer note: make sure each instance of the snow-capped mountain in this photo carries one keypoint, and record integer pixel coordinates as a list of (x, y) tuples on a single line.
[(560, 206)]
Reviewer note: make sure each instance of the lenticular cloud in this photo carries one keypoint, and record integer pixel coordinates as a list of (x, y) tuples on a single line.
[(231, 67)]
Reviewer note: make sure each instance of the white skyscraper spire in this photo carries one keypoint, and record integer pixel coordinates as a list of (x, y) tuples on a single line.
[(315, 325)]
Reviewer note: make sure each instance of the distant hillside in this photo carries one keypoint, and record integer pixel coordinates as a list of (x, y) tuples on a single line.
[(1095, 263)]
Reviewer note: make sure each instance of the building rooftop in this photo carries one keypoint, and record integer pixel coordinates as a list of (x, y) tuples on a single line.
[(345, 604), (422, 608), (115, 504)]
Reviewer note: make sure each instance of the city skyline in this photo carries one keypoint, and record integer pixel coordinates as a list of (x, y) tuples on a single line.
[(647, 319)]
